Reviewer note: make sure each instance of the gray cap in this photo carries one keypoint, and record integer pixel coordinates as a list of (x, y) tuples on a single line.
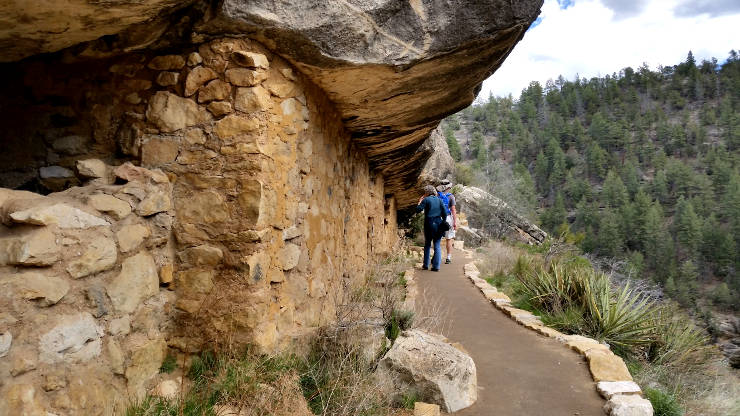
[(445, 185), (429, 190)]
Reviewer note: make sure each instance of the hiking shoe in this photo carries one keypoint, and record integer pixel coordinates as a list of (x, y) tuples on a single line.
[(425, 268), (448, 261), (435, 270)]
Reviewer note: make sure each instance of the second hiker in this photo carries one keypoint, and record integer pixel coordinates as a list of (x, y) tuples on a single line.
[(450, 209)]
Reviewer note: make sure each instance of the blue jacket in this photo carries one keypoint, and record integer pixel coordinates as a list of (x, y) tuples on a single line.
[(432, 207)]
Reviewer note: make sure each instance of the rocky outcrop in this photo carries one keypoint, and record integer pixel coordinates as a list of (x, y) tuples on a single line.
[(392, 69), (439, 165), (493, 218), (728, 330), (442, 373)]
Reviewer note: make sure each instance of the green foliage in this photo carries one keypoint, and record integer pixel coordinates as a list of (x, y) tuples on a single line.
[(408, 399), (169, 364), (664, 404), (398, 321)]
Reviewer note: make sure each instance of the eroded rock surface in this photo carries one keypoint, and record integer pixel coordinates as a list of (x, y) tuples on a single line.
[(431, 368)]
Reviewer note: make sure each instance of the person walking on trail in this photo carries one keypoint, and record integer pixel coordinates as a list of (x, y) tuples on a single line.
[(450, 209), (434, 214)]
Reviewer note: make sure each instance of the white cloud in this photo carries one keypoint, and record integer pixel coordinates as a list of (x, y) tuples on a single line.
[(587, 39)]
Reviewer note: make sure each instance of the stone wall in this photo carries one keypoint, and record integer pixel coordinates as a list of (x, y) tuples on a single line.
[(252, 212)]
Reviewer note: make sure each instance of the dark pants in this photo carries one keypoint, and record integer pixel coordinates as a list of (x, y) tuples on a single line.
[(432, 236)]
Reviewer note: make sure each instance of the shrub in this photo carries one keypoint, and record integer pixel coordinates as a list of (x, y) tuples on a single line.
[(664, 404)]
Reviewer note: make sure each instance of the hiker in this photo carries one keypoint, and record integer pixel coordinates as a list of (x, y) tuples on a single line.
[(434, 214), (450, 209)]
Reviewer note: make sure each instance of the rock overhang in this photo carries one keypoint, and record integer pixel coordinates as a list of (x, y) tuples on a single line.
[(393, 69)]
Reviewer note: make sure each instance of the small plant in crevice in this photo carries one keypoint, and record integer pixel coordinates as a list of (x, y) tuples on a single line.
[(408, 400), (169, 364), (399, 321)]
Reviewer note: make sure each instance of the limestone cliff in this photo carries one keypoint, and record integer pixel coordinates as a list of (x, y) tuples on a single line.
[(213, 172)]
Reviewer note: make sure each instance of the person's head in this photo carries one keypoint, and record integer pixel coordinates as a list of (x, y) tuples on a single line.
[(429, 190), (444, 186)]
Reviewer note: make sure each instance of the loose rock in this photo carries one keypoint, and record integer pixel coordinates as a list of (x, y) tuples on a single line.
[(220, 108), (289, 256), (607, 389), (167, 62), (6, 340), (91, 168), (202, 255), (442, 374), (63, 215), (157, 201), (252, 99), (29, 247), (214, 90), (250, 59), (242, 77), (110, 205), (167, 79)]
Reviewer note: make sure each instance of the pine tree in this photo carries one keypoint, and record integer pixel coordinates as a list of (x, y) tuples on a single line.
[(614, 193), (609, 239), (687, 228)]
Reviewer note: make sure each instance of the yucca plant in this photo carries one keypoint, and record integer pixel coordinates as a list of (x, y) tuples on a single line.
[(677, 342), (621, 318)]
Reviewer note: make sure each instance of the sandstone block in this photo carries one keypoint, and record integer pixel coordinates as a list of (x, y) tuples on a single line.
[(605, 366), (167, 78), (63, 215), (250, 200), (202, 255), (219, 108), (23, 362), (195, 281), (252, 99), (194, 59), (288, 256), (170, 113), (133, 98), (158, 151), (582, 344), (443, 374), (130, 173), (116, 357), (75, 338), (54, 381), (28, 247), (426, 409), (70, 145), (195, 136), (214, 90), (131, 236), (100, 254), (155, 202), (242, 77), (608, 389), (628, 405), (497, 296), (166, 274), (202, 207), (137, 281), (196, 78), (281, 88), (110, 205), (234, 125), (292, 232), (6, 340), (250, 59), (120, 326), (36, 286), (145, 362), (21, 399), (166, 62), (96, 296), (288, 73)]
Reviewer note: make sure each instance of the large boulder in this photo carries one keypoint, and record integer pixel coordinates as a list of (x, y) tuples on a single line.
[(432, 368), (492, 217)]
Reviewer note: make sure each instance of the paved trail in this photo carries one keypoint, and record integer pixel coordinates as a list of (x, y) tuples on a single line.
[(520, 373)]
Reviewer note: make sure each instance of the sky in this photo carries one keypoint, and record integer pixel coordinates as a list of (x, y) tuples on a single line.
[(592, 38)]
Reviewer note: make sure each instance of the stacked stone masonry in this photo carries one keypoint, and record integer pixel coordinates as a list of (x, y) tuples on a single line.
[(245, 213), (612, 378)]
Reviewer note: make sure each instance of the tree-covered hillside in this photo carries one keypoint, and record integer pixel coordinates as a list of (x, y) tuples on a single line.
[(642, 165)]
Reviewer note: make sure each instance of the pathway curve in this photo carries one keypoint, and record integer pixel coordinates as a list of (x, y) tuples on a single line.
[(520, 373)]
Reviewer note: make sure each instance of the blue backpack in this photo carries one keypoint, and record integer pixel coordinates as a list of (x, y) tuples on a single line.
[(445, 201)]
